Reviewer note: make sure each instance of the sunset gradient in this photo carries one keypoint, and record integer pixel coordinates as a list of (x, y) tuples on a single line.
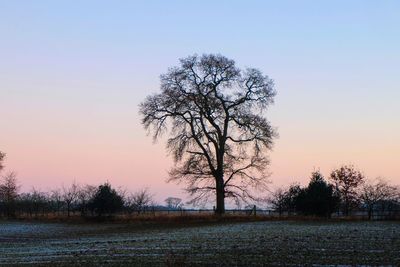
[(72, 74)]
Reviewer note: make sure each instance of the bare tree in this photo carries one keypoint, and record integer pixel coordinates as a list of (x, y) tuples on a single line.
[(219, 135), (173, 203), (70, 195), (377, 191), (9, 192), (2, 156), (139, 200), (347, 181), (56, 199), (35, 202), (84, 195), (279, 200)]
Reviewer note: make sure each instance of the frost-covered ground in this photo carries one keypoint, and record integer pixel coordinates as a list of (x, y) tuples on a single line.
[(235, 244)]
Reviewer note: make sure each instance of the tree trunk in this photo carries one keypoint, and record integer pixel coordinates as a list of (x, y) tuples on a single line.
[(220, 197), (346, 206)]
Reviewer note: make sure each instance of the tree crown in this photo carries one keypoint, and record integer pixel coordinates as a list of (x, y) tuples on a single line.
[(215, 114)]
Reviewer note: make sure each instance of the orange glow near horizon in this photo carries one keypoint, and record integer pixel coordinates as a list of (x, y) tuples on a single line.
[(130, 159)]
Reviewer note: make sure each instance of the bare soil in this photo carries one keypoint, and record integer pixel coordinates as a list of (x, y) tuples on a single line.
[(203, 244)]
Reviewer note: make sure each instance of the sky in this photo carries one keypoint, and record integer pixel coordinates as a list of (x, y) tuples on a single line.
[(72, 74)]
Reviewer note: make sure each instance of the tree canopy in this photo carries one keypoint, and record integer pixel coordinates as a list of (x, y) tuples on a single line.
[(318, 198), (106, 200), (219, 138), (347, 180)]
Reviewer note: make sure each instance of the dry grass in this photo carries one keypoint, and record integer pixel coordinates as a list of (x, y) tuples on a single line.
[(176, 218)]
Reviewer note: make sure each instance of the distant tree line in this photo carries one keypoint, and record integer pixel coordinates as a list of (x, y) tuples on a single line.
[(75, 199), (87, 200), (345, 191)]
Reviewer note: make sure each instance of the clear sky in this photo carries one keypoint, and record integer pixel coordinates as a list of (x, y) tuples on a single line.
[(72, 74)]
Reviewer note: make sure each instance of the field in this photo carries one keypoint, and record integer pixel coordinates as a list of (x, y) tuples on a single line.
[(223, 244)]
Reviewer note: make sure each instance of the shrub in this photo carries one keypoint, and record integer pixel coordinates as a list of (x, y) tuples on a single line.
[(106, 201), (318, 198)]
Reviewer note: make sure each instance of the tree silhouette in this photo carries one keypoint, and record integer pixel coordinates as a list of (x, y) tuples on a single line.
[(70, 196), (279, 200), (173, 203), (9, 193), (219, 136), (347, 181), (84, 195), (318, 198), (106, 200), (139, 201), (2, 156), (377, 191)]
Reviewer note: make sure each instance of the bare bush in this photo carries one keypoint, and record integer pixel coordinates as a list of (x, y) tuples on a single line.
[(139, 201), (378, 191), (9, 193), (70, 196), (174, 203)]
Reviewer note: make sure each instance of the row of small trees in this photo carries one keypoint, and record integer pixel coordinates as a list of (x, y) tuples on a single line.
[(86, 200), (346, 190)]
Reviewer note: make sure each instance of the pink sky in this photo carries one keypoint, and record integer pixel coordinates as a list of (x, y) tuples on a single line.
[(49, 149)]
